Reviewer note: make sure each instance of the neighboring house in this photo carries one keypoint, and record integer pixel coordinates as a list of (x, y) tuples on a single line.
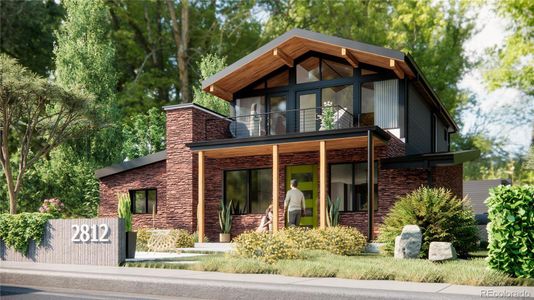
[(382, 128), (477, 191)]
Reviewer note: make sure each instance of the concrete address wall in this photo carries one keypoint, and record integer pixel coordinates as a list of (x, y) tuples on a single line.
[(58, 246)]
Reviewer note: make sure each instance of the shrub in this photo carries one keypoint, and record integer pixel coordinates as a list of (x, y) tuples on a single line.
[(19, 230), (182, 238), (288, 243), (143, 236), (440, 215), (511, 230), (264, 246)]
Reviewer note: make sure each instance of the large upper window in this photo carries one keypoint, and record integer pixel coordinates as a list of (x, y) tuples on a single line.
[(380, 104), (308, 70), (315, 69), (348, 182), (143, 201), (250, 116), (249, 190)]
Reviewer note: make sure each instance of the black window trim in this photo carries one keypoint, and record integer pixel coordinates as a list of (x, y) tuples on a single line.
[(247, 201), (353, 167), (132, 200)]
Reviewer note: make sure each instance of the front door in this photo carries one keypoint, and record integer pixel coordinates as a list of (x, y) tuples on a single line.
[(306, 175)]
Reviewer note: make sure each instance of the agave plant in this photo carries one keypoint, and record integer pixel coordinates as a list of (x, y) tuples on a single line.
[(333, 211), (225, 217)]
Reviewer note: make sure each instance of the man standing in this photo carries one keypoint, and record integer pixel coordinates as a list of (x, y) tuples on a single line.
[(294, 204)]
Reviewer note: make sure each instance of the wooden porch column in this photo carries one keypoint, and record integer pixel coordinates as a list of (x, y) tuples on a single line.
[(276, 187), (322, 184), (370, 184), (200, 212)]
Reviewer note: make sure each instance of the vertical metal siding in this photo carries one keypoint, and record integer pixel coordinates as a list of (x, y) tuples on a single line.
[(386, 102)]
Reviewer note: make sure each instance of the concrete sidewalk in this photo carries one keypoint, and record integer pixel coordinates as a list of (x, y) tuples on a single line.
[(214, 285)]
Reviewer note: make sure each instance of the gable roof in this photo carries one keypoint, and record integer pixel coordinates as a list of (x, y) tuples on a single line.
[(294, 43)]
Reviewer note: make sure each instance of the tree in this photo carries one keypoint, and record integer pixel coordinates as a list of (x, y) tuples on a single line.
[(515, 63), (181, 39), (27, 32), (36, 117), (85, 56), (209, 65), (144, 134)]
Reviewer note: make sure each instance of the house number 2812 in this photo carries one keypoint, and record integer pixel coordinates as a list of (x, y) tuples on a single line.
[(93, 233)]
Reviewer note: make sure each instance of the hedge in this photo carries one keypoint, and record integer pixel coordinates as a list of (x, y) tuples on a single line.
[(19, 230), (511, 230)]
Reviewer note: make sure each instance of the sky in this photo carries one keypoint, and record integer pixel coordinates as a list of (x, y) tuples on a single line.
[(492, 32)]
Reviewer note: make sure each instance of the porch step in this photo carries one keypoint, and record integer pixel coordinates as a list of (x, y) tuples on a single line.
[(208, 248)]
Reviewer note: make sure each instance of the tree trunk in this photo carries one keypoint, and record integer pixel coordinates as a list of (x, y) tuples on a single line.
[(181, 41), (8, 174)]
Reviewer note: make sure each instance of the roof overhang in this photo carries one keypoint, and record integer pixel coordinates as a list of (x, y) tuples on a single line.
[(292, 44), (131, 164), (290, 143), (429, 160)]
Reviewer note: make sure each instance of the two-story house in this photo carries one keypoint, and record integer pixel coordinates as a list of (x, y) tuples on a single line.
[(342, 117)]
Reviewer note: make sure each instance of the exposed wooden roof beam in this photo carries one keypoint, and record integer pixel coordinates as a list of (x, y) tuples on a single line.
[(396, 68), (351, 59), (221, 92), (283, 56)]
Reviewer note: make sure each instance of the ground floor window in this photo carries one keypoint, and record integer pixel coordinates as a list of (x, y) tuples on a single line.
[(143, 201), (348, 182), (249, 190)]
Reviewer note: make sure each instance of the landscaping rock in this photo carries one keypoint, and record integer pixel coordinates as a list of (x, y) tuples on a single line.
[(408, 243), (440, 251)]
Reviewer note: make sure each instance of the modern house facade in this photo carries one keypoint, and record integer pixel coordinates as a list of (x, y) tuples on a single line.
[(342, 117)]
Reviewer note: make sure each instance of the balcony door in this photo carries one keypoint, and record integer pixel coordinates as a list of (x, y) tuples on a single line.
[(277, 114), (308, 106)]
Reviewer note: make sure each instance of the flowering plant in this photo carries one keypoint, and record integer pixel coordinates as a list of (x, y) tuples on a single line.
[(52, 206)]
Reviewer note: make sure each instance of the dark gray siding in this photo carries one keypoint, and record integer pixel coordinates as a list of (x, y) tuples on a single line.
[(441, 138), (419, 123)]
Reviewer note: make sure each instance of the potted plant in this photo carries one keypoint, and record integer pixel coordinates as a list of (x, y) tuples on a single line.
[(225, 221), (124, 211)]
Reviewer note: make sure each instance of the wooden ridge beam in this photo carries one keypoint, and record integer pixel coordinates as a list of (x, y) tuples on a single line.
[(283, 56), (351, 59), (221, 92), (396, 68)]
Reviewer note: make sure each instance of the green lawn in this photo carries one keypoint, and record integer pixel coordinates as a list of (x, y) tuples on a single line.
[(322, 264)]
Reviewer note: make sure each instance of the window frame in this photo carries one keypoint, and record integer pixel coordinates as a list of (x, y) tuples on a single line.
[(133, 201), (248, 189), (354, 190)]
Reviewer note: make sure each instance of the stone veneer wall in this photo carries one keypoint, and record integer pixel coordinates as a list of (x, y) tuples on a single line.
[(186, 125), (149, 176)]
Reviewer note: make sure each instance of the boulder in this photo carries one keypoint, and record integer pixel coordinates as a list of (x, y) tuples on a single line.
[(440, 251), (408, 243)]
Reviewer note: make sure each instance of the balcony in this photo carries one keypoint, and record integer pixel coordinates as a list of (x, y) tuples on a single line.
[(292, 121)]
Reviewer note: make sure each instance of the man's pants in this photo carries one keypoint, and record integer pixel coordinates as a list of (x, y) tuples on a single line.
[(293, 218)]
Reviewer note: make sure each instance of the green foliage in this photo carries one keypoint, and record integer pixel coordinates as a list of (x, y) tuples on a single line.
[(441, 216), (265, 247), (293, 242), (209, 65), (327, 116), (124, 210), (19, 230), (144, 134), (143, 236), (182, 238), (225, 217), (333, 211), (511, 230), (25, 21), (163, 240)]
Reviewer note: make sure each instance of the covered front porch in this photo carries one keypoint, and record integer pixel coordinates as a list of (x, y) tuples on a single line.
[(322, 148)]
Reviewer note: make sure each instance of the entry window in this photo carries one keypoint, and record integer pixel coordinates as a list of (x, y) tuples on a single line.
[(249, 190), (143, 201), (348, 183)]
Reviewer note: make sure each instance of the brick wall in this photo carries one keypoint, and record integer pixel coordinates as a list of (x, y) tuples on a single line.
[(149, 176), (450, 178)]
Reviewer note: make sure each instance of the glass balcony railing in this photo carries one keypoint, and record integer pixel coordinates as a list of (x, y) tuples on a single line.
[(290, 121)]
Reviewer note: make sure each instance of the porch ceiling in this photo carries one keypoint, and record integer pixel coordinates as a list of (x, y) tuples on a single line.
[(291, 147)]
